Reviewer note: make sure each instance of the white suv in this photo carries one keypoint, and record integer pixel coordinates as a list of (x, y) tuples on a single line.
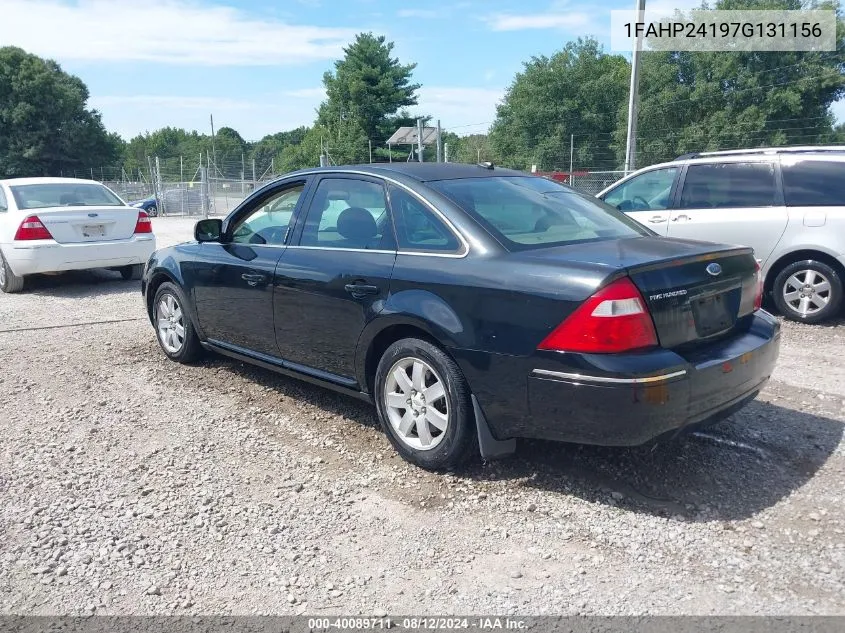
[(788, 204)]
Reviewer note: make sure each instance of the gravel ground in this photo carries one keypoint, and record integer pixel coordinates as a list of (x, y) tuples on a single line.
[(133, 485)]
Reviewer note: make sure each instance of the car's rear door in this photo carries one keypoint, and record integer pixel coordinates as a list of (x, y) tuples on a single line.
[(334, 277), (646, 197), (732, 203), (233, 280)]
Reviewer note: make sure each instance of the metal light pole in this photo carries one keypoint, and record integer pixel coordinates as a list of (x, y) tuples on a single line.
[(633, 95), (420, 139)]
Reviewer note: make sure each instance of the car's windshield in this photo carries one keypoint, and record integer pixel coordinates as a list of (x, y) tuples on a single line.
[(64, 194), (531, 212)]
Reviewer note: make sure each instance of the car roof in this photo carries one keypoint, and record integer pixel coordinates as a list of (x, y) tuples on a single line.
[(423, 172), (48, 181)]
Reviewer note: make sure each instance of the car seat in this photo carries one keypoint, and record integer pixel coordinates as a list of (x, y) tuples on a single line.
[(357, 226)]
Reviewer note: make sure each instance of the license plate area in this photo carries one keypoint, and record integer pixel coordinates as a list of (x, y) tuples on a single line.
[(713, 314), (93, 230)]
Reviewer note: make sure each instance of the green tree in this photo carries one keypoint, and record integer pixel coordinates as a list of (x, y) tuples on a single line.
[(45, 127), (367, 88), (696, 101), (576, 91)]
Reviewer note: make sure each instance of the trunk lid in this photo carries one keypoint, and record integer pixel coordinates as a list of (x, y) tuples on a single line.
[(77, 224), (693, 290)]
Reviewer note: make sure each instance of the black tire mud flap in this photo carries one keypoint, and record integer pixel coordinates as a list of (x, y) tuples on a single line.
[(489, 446)]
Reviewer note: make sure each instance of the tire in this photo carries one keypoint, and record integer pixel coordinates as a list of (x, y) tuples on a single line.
[(152, 211), (132, 272), (808, 291), (430, 447), (9, 281), (184, 349)]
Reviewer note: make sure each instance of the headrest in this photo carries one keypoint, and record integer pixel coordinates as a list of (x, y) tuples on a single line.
[(357, 225)]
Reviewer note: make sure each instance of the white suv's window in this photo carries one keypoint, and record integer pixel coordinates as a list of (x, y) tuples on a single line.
[(4, 206), (728, 185), (814, 183), (646, 192)]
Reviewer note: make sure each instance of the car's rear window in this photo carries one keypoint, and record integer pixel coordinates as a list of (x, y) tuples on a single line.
[(62, 194), (532, 212)]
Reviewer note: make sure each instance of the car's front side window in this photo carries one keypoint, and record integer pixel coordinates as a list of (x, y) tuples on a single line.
[(4, 206), (729, 185), (649, 191), (348, 213), (268, 223)]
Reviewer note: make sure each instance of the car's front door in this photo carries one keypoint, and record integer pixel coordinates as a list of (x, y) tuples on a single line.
[(732, 203), (335, 275), (233, 280), (646, 197)]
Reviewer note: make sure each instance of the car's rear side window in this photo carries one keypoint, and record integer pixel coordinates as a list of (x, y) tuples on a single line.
[(814, 183), (729, 185), (417, 228), (4, 206), (522, 214)]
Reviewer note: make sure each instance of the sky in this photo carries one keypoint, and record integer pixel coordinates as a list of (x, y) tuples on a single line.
[(257, 65)]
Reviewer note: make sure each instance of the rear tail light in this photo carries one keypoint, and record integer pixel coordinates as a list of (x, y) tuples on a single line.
[(32, 229), (144, 224), (613, 320), (758, 293)]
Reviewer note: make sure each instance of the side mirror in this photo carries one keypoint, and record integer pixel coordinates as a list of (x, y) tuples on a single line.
[(209, 230)]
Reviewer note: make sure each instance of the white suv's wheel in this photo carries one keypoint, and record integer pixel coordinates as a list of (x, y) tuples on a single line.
[(808, 291)]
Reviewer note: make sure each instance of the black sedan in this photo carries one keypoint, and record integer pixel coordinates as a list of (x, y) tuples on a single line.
[(472, 305)]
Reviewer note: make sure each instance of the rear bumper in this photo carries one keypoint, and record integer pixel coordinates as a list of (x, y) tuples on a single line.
[(608, 404), (42, 256)]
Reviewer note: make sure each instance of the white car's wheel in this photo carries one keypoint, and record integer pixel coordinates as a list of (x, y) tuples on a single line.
[(9, 281)]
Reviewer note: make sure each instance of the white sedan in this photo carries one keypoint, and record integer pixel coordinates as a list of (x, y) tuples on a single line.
[(56, 224)]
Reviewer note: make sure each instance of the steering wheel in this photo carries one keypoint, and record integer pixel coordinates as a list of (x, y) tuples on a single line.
[(646, 205), (268, 235)]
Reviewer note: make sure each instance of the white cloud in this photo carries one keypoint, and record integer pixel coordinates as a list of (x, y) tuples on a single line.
[(164, 31), (421, 13), (253, 118), (461, 110), (317, 94), (524, 21)]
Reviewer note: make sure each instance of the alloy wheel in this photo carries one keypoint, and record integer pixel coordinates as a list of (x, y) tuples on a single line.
[(416, 404), (170, 323), (2, 272), (807, 292)]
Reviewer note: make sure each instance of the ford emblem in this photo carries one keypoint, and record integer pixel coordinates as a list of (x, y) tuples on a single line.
[(714, 269), (93, 215)]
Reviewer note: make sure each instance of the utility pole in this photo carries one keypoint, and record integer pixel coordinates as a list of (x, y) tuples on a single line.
[(439, 143), (243, 174), (213, 152), (420, 140), (633, 95), (446, 152), (253, 175), (370, 143), (571, 152), (182, 168)]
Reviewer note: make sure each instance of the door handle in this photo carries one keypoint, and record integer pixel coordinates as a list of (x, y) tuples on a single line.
[(657, 219), (682, 216), (359, 291), (253, 279)]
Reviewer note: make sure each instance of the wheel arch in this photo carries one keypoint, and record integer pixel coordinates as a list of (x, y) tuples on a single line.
[(796, 256), (375, 342)]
